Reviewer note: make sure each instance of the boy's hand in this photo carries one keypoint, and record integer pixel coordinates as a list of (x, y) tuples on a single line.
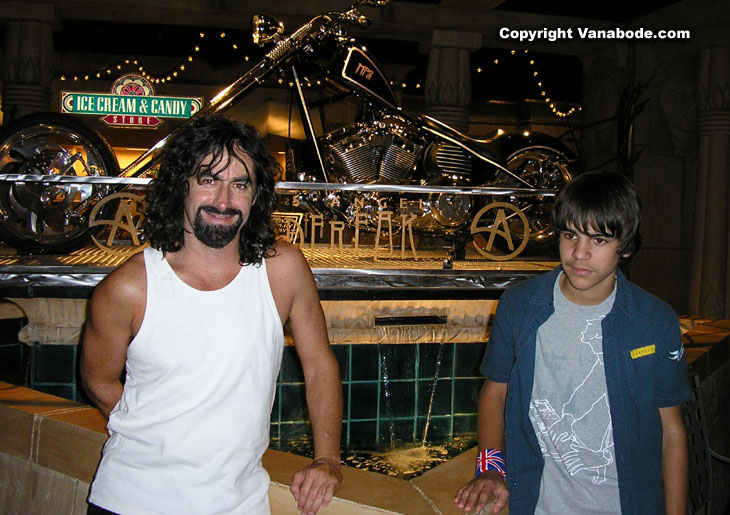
[(314, 485), (476, 493)]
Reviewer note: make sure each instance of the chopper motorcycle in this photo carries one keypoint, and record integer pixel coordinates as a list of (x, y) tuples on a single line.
[(373, 157)]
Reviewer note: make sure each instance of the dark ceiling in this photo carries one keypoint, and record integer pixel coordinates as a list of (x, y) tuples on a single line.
[(503, 76), (592, 10)]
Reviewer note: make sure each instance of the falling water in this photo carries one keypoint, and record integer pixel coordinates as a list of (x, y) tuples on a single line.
[(386, 392), (398, 458), (433, 394)]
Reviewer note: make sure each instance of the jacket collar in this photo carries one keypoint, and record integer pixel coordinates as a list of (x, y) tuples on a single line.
[(544, 291), (624, 298)]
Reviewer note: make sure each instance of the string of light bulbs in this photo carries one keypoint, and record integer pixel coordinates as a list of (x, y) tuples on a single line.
[(552, 103), (170, 75), (173, 73)]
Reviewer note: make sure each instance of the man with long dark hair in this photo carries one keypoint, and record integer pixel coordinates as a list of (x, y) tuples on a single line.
[(196, 319)]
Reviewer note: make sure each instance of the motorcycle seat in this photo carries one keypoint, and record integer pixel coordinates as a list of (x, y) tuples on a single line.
[(479, 146)]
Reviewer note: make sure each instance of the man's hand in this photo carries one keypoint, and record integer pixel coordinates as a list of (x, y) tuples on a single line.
[(314, 485), (476, 493)]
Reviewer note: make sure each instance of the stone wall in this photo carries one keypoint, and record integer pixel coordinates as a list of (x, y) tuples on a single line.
[(50, 448)]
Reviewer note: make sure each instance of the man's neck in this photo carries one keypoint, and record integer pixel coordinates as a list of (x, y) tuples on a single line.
[(204, 267)]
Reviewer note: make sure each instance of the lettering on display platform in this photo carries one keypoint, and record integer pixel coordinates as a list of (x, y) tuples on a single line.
[(499, 230)]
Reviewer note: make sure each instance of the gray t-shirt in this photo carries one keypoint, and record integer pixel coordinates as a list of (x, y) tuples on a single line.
[(570, 413)]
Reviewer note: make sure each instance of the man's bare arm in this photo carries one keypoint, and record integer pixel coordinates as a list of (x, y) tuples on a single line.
[(314, 486), (113, 317), (490, 427)]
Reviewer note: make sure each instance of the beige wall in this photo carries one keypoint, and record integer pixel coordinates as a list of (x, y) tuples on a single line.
[(50, 448)]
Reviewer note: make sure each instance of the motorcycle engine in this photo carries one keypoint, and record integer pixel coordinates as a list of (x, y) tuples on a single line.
[(382, 151), (388, 150)]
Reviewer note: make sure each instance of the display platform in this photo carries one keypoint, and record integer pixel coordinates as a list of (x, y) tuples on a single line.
[(340, 273)]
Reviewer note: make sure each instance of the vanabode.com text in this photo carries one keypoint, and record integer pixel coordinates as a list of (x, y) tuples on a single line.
[(588, 33)]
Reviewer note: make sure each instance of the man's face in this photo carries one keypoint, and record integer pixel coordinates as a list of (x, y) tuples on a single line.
[(589, 265), (219, 201)]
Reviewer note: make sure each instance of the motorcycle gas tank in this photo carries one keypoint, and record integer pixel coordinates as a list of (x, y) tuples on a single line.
[(359, 69)]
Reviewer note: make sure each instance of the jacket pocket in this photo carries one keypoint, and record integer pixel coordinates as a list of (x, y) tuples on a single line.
[(640, 372)]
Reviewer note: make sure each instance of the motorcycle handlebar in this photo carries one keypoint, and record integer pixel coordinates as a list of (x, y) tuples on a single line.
[(318, 27), (364, 21), (351, 15)]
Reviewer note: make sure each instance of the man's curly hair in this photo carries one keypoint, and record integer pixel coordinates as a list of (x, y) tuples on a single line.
[(181, 159)]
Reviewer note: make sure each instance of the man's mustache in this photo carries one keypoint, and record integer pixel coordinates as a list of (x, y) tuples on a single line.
[(213, 211)]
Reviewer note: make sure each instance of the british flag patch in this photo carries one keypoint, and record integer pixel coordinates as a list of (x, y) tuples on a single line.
[(490, 459)]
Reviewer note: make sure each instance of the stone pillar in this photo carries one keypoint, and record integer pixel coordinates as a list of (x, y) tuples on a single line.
[(27, 64), (710, 271), (448, 78)]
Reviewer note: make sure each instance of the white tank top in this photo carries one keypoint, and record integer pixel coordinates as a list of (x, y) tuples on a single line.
[(191, 426)]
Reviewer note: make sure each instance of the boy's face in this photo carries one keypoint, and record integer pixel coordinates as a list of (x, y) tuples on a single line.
[(589, 266)]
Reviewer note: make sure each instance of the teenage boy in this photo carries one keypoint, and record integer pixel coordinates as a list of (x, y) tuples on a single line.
[(585, 376)]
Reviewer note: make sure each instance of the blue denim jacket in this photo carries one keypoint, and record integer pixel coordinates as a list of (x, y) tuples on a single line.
[(638, 385)]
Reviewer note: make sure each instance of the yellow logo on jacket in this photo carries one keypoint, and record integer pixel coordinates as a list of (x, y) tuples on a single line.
[(643, 351)]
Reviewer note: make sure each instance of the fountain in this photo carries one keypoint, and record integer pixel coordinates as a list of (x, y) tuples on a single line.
[(410, 392)]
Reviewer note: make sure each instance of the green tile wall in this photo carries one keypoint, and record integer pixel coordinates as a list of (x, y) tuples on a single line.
[(444, 378), (14, 355)]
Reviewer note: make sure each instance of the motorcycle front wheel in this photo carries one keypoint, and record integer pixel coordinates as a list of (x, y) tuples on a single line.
[(542, 168), (47, 217)]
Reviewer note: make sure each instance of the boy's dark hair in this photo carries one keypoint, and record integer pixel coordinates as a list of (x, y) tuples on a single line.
[(602, 202), (181, 159)]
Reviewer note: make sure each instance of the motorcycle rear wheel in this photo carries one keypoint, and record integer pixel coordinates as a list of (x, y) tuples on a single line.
[(543, 168), (50, 218)]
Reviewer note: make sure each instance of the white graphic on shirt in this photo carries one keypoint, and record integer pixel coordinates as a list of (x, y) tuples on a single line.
[(570, 436), (677, 354)]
